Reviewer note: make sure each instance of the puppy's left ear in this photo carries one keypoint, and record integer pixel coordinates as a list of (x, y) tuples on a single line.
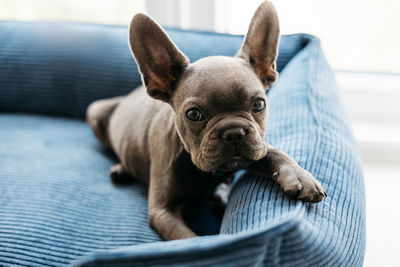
[(160, 61), (260, 46)]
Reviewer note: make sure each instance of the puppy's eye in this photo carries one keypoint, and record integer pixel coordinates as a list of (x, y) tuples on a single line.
[(259, 105), (194, 114)]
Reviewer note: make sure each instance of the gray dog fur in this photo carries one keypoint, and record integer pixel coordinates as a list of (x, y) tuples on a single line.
[(211, 119)]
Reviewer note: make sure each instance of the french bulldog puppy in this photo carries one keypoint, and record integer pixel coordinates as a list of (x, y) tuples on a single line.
[(201, 119)]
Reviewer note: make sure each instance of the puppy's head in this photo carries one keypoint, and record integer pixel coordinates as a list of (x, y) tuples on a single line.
[(219, 102)]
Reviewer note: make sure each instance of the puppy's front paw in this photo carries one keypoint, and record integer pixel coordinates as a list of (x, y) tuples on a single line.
[(298, 183)]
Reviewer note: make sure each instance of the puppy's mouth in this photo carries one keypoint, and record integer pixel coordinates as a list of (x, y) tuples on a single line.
[(235, 163)]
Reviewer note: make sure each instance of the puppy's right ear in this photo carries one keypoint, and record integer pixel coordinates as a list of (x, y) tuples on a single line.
[(260, 46), (160, 62)]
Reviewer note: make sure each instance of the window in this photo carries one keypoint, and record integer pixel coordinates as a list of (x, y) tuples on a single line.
[(96, 11)]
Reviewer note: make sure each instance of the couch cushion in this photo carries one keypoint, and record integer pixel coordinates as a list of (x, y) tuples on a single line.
[(56, 199)]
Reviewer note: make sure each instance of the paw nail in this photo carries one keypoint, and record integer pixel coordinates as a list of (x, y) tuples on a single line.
[(275, 176)]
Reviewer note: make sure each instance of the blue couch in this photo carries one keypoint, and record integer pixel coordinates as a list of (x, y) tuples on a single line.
[(59, 207)]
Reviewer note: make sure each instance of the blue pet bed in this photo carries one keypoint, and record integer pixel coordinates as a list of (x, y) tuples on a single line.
[(59, 207)]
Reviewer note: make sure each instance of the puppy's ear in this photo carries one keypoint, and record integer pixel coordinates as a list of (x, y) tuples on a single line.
[(159, 60), (260, 46)]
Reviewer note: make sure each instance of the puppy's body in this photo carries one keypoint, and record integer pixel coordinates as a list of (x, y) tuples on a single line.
[(143, 117), (152, 137), (211, 119), (142, 133)]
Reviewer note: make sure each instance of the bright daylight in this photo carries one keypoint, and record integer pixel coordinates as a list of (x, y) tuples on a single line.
[(207, 133)]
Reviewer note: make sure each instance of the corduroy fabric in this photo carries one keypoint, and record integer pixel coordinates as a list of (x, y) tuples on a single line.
[(57, 203), (308, 121)]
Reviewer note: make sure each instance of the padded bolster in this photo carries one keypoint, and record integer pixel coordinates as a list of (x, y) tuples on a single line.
[(59, 68), (307, 121)]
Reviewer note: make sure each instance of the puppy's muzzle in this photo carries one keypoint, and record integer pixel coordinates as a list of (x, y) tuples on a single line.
[(234, 136)]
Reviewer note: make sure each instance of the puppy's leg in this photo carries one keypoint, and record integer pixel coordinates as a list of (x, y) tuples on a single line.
[(168, 222), (165, 218), (98, 115), (119, 175), (221, 194), (295, 181), (165, 206), (220, 198)]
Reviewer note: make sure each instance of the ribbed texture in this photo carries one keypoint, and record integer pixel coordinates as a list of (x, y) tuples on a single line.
[(56, 200), (307, 120), (57, 203)]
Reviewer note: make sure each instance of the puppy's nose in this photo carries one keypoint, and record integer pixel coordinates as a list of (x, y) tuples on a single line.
[(233, 136)]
